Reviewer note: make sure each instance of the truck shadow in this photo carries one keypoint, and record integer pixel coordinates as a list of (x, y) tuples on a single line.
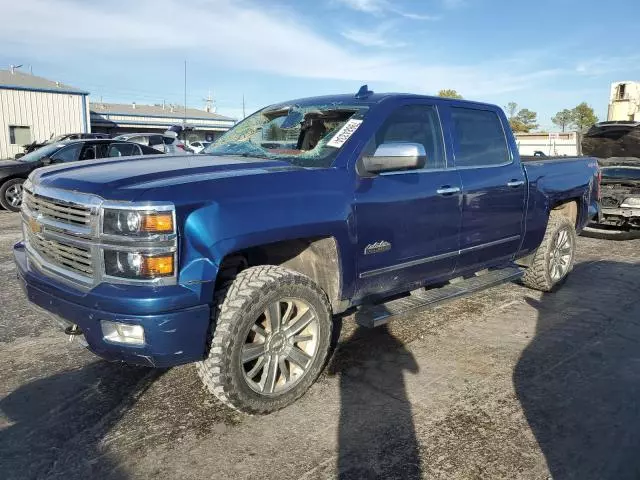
[(578, 381), (376, 433), (56, 423)]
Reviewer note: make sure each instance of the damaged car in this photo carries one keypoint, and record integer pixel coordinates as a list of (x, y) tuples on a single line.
[(620, 190)]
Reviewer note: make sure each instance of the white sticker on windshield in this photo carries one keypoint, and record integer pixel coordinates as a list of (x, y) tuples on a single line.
[(344, 133)]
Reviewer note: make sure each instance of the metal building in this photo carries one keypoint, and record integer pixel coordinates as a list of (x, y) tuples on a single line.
[(116, 118), (35, 109)]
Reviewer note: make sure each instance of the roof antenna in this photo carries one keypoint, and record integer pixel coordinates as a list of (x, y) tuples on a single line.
[(364, 92)]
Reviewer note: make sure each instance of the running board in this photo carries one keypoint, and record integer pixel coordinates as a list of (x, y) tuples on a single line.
[(375, 315)]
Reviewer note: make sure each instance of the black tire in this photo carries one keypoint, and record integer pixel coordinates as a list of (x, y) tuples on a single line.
[(539, 274), (239, 305), (7, 192)]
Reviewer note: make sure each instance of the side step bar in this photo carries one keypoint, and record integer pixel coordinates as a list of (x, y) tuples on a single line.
[(375, 315)]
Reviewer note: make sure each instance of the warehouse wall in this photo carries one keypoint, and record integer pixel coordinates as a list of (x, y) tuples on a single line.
[(45, 112)]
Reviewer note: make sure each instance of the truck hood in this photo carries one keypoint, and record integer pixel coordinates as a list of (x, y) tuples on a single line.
[(126, 179)]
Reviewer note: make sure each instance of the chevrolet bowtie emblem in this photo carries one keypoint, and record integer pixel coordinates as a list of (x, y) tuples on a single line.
[(34, 226)]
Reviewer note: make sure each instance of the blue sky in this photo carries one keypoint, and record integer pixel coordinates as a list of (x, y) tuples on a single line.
[(544, 55)]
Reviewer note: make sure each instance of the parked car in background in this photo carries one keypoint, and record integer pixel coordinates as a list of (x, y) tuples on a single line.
[(14, 172), (198, 146), (238, 259), (167, 142), (620, 188), (174, 145), (153, 140), (60, 138)]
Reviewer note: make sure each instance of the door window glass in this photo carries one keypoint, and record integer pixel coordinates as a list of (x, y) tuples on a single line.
[(479, 138), (68, 154), (413, 124), (123, 150), (154, 140)]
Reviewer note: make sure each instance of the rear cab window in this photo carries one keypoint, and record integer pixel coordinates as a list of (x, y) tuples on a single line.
[(479, 138)]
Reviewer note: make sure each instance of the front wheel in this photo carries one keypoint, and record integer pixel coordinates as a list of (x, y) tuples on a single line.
[(553, 259), (271, 335), (11, 194)]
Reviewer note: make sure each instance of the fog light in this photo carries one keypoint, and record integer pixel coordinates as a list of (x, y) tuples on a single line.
[(122, 332)]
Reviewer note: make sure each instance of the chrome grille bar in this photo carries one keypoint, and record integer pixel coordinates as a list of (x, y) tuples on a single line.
[(74, 258), (57, 210)]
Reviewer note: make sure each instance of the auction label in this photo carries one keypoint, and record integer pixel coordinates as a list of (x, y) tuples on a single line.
[(344, 133)]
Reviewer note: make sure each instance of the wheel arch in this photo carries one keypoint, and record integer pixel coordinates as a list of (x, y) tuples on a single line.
[(316, 257)]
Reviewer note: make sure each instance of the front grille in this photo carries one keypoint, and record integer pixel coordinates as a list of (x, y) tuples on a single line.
[(57, 210), (609, 202), (70, 257)]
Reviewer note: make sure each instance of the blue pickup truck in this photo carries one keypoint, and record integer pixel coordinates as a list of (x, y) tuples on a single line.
[(239, 259)]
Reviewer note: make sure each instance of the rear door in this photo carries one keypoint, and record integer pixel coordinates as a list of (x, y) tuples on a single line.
[(493, 186), (408, 222)]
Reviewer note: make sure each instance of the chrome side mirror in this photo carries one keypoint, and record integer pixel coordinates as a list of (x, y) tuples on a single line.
[(390, 157)]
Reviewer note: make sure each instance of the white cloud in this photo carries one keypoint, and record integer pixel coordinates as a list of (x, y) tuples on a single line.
[(380, 7), (367, 6), (236, 35), (373, 37)]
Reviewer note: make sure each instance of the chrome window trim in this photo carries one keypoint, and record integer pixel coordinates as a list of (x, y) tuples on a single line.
[(435, 258), (92, 238)]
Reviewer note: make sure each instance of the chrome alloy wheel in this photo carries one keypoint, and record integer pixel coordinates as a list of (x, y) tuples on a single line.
[(560, 255), (280, 347), (13, 194)]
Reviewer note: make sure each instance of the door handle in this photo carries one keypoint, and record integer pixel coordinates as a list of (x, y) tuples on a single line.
[(515, 183), (447, 190)]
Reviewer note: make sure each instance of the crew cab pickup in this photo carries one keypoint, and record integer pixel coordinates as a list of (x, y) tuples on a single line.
[(239, 259)]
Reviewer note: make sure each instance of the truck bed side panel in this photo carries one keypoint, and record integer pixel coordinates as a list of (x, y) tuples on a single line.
[(552, 183)]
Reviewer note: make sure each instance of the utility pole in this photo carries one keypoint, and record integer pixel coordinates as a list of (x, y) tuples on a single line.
[(185, 93), (243, 114)]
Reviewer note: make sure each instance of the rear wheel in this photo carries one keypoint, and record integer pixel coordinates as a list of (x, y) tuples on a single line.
[(11, 194), (271, 335), (553, 260)]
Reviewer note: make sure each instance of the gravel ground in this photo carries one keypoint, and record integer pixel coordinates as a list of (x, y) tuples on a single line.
[(509, 383)]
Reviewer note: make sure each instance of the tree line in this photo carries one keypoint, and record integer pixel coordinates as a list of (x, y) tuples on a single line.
[(523, 120)]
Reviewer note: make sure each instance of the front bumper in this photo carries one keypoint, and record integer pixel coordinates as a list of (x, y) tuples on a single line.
[(620, 217), (175, 325)]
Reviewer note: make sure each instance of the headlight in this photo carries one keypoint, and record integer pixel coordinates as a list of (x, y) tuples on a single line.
[(136, 265), (137, 222), (631, 202)]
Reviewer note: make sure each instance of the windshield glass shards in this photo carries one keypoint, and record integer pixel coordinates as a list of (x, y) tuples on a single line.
[(306, 136)]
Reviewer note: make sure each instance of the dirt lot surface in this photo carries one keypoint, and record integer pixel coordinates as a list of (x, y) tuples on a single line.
[(509, 383)]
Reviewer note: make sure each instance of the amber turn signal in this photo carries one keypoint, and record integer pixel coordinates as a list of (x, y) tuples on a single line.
[(158, 266), (157, 222)]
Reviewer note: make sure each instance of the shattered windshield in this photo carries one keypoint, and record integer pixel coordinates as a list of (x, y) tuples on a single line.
[(307, 136)]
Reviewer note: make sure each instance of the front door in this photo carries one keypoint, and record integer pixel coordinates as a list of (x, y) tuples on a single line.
[(493, 187), (408, 222)]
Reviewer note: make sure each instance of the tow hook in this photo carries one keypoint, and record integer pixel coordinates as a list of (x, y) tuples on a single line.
[(73, 331)]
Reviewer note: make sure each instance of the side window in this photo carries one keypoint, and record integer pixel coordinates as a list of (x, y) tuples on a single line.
[(123, 150), (478, 137), (88, 152), (68, 154), (413, 124), (101, 149), (155, 140), (139, 139)]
